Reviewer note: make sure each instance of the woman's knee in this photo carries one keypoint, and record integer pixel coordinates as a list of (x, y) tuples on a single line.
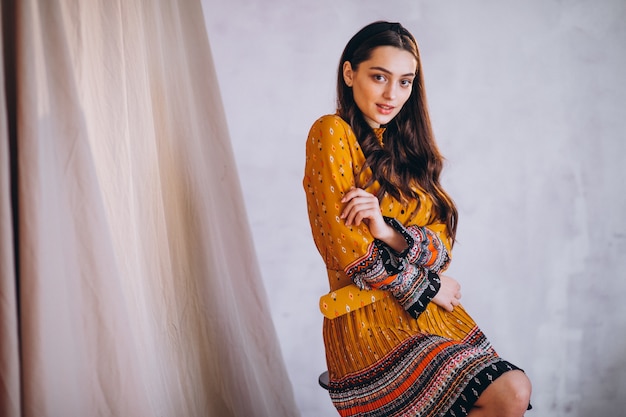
[(508, 395), (515, 391)]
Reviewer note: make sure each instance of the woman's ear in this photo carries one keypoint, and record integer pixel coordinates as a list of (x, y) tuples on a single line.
[(348, 73)]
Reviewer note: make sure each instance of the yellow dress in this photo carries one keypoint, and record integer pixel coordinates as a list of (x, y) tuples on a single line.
[(396, 355)]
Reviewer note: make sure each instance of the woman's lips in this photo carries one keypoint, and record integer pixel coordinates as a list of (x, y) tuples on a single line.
[(385, 109)]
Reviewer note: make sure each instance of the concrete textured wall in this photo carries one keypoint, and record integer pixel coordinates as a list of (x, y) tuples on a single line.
[(528, 101)]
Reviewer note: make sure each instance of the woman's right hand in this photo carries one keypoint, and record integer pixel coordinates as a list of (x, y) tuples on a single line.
[(361, 206), (449, 295)]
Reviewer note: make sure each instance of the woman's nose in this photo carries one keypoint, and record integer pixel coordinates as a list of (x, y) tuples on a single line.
[(390, 91)]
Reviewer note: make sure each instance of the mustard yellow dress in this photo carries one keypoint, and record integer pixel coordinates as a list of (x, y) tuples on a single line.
[(389, 351)]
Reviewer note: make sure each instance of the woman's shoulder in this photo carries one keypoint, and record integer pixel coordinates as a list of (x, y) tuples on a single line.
[(333, 118), (331, 126)]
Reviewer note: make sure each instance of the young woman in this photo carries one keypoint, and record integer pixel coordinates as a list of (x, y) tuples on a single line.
[(398, 342)]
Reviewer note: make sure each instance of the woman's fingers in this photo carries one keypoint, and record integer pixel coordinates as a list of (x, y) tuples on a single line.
[(356, 211), (354, 192), (358, 193), (449, 294), (360, 205)]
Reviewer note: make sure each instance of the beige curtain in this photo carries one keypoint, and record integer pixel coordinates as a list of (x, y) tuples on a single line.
[(129, 284)]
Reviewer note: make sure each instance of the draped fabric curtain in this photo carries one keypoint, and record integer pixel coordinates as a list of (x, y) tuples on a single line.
[(129, 284)]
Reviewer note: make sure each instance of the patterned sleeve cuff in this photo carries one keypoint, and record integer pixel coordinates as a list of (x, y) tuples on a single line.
[(429, 250), (410, 240), (371, 270), (425, 247), (414, 287), (393, 261), (430, 290)]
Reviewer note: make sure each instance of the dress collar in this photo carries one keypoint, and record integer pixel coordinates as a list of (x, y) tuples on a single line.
[(379, 135)]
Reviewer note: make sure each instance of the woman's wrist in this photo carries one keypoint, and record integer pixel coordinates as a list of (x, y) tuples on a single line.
[(394, 239)]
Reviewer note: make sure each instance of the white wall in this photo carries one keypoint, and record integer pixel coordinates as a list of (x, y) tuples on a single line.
[(528, 101)]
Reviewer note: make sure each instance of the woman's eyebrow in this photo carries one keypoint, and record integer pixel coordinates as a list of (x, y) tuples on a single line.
[(386, 71)]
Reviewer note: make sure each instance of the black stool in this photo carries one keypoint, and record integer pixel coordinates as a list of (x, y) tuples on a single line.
[(323, 380)]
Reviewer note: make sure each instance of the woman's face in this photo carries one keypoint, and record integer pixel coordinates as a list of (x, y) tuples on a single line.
[(382, 84)]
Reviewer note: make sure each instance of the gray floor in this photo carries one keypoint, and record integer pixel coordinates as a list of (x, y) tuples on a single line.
[(528, 104)]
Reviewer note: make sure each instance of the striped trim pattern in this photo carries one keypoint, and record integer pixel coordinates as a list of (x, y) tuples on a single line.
[(382, 362), (424, 376)]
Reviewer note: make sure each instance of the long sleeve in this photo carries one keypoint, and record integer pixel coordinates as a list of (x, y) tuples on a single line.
[(426, 248), (332, 158), (329, 174)]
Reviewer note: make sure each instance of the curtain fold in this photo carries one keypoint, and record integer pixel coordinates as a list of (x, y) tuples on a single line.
[(9, 332), (138, 289)]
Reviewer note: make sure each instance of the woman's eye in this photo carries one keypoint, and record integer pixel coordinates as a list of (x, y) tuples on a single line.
[(406, 83), (379, 77)]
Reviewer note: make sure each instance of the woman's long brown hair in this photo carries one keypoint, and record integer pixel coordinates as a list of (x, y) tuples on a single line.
[(410, 154)]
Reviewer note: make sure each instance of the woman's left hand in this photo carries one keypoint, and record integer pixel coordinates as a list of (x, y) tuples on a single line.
[(449, 294)]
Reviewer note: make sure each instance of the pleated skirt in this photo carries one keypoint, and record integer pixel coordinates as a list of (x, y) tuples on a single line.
[(382, 362)]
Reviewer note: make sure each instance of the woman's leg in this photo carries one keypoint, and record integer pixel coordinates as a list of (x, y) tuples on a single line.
[(507, 396)]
